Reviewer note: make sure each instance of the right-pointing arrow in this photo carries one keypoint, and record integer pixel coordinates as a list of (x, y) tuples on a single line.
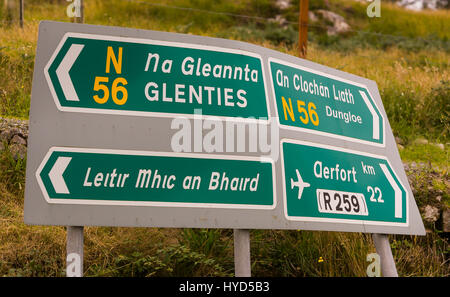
[(63, 72), (397, 191), (56, 175), (375, 117)]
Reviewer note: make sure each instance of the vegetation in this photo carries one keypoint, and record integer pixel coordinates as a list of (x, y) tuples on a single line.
[(406, 53)]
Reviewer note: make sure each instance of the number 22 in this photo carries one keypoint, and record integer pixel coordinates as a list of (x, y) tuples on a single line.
[(375, 191)]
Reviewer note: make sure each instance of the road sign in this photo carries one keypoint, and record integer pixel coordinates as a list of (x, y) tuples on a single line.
[(316, 102), (108, 103), (105, 74), (329, 184), (118, 177)]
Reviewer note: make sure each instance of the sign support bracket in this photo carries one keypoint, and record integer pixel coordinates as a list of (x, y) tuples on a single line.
[(383, 248), (242, 266)]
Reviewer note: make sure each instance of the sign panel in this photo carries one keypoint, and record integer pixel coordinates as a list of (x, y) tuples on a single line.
[(324, 183), (117, 177), (316, 102), (108, 104), (117, 75)]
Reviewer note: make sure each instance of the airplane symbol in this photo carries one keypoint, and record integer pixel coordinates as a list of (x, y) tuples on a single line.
[(299, 183)]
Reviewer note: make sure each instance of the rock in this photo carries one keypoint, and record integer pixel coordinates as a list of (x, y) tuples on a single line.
[(431, 213), (398, 140), (11, 127), (446, 220), (279, 19), (339, 24), (18, 151), (7, 134), (18, 140), (439, 145), (14, 134), (312, 17), (420, 141), (283, 4), (406, 166)]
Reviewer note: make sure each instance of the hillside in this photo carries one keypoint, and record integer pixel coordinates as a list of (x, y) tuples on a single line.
[(406, 52)]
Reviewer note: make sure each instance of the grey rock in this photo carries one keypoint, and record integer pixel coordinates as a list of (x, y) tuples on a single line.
[(18, 151), (421, 141), (283, 4), (398, 140), (431, 214), (339, 24), (446, 220), (18, 140), (312, 17), (439, 145)]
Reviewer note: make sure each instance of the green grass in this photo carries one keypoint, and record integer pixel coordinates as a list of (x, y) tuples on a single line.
[(412, 73), (426, 153)]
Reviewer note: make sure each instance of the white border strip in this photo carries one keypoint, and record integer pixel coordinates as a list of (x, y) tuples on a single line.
[(306, 130), (332, 220), (152, 42), (154, 154)]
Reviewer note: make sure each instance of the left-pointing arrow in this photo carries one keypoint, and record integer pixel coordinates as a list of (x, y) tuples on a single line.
[(56, 175), (63, 72)]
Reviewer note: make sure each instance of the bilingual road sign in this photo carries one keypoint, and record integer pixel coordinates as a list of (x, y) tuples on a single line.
[(143, 128), (329, 184), (117, 177), (313, 101), (92, 73)]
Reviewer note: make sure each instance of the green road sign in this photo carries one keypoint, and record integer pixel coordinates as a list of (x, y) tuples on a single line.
[(143, 77), (329, 184), (315, 102), (115, 177)]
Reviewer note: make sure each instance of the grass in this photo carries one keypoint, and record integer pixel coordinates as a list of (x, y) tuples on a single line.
[(412, 73)]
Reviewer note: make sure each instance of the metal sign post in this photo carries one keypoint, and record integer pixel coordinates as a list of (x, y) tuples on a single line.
[(242, 263), (383, 248), (75, 251)]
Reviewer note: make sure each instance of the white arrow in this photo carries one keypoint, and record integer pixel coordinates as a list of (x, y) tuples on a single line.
[(63, 72), (375, 117), (397, 191), (56, 175)]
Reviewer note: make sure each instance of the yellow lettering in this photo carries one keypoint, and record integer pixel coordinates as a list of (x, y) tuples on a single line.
[(289, 109), (117, 63)]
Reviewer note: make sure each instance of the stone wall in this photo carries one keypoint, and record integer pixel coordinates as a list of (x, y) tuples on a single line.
[(14, 134)]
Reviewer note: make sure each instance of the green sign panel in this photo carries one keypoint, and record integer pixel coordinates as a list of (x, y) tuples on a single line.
[(142, 77), (112, 177), (312, 101), (324, 183)]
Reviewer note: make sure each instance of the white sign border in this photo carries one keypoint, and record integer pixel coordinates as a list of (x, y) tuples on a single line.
[(294, 128), (156, 154), (152, 42)]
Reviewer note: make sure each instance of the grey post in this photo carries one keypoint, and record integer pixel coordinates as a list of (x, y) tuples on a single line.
[(75, 251), (383, 248), (242, 253)]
